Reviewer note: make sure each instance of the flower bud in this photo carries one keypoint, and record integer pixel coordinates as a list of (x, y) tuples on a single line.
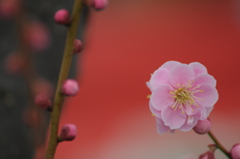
[(77, 47), (37, 36), (9, 8), (43, 86), (99, 5), (14, 64), (68, 133), (62, 16), (202, 127), (43, 101), (32, 117), (70, 87), (210, 153), (207, 155), (235, 151)]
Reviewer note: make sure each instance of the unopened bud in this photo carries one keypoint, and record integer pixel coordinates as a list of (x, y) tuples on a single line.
[(43, 101), (68, 133), (77, 46), (99, 5), (14, 64), (43, 86), (70, 87), (207, 155), (235, 151), (210, 153), (62, 17), (37, 36), (9, 8), (202, 127)]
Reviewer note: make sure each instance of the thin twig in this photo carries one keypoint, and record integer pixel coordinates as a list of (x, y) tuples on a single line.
[(219, 145), (64, 71)]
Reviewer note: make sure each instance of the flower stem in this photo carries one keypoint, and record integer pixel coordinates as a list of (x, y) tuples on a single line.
[(219, 145), (64, 71)]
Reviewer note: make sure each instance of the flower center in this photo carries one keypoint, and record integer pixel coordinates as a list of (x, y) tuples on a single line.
[(184, 97)]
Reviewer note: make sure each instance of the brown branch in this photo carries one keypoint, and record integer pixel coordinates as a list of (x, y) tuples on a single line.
[(219, 145)]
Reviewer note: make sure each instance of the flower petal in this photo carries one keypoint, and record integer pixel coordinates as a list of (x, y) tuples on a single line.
[(170, 65), (181, 74), (204, 78), (208, 110), (154, 111), (187, 127), (148, 85), (161, 97), (173, 118), (209, 96), (201, 113), (198, 68), (159, 77), (161, 128)]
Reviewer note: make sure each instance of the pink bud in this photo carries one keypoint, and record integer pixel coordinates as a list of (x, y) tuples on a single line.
[(202, 127), (32, 117), (14, 64), (37, 36), (62, 17), (68, 132), (207, 155), (210, 153), (43, 101), (9, 8), (235, 151), (70, 87), (43, 86), (77, 47), (99, 5)]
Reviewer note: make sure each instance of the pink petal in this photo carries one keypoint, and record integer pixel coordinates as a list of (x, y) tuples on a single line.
[(208, 110), (148, 85), (170, 65), (209, 96), (154, 111), (159, 77), (173, 118), (161, 128), (161, 97), (204, 78), (181, 74), (187, 127), (201, 113), (198, 68)]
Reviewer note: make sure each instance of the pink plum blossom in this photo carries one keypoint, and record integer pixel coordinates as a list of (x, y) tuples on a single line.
[(181, 95)]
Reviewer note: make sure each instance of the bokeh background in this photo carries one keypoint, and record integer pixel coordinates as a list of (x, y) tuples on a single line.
[(123, 45)]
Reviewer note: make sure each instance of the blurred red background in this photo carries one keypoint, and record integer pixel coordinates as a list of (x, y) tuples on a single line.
[(124, 44)]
